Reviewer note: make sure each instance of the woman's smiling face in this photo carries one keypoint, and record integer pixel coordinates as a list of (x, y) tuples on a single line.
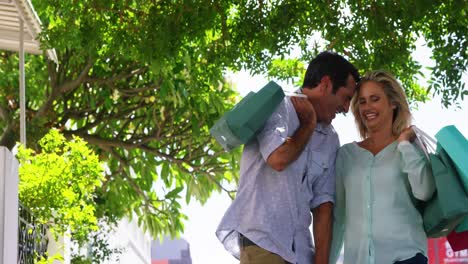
[(375, 109)]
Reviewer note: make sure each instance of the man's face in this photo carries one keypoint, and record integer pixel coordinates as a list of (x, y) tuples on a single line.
[(331, 104)]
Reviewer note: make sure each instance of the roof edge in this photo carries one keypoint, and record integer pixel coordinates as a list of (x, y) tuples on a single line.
[(33, 23)]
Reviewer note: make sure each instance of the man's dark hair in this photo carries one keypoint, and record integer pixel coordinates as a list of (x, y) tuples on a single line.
[(333, 65)]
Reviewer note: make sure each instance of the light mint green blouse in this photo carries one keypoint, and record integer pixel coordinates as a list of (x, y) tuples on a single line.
[(374, 213)]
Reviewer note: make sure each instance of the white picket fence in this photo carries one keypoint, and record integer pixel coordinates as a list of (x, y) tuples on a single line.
[(8, 207)]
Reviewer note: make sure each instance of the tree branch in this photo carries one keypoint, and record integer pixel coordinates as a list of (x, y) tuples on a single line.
[(117, 77), (72, 85), (8, 137), (4, 114), (64, 88)]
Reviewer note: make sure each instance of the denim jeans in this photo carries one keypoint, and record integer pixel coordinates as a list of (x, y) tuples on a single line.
[(417, 259)]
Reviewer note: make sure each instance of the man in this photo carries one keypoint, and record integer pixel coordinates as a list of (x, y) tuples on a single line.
[(288, 171)]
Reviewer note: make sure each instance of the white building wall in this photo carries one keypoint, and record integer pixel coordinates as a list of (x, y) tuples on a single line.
[(135, 244), (60, 247)]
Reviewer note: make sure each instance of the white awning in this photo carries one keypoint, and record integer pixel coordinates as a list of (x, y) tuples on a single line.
[(19, 30), (11, 12)]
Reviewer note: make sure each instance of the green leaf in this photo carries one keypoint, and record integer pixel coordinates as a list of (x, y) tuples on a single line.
[(165, 173), (174, 193)]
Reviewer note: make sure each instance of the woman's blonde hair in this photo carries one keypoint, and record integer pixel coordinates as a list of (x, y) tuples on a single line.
[(396, 96)]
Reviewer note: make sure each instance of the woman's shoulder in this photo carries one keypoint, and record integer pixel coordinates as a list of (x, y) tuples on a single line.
[(348, 146), (346, 156), (347, 149)]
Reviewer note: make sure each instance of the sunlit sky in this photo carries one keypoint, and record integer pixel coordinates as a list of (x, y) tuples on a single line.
[(203, 219)]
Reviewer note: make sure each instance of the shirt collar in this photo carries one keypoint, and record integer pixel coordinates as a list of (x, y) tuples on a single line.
[(323, 128)]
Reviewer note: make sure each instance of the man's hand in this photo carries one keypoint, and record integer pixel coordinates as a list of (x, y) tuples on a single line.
[(305, 112), (280, 158)]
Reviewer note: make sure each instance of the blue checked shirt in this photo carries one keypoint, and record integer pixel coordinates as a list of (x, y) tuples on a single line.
[(273, 209)]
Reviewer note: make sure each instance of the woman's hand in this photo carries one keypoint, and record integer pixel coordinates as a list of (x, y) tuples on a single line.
[(407, 134)]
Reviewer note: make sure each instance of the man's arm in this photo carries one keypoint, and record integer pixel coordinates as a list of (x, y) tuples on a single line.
[(322, 232), (290, 150)]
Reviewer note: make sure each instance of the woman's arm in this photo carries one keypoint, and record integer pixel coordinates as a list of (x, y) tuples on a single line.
[(418, 169)]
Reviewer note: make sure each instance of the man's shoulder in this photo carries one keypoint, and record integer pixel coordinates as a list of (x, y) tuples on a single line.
[(283, 108), (287, 104), (330, 133), (284, 115), (333, 132)]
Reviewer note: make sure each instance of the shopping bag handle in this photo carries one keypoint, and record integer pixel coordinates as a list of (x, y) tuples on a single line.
[(291, 94), (425, 142)]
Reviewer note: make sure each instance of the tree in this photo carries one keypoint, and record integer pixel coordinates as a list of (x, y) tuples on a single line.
[(142, 81)]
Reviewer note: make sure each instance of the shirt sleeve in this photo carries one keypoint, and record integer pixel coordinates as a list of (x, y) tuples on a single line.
[(417, 167), (323, 187), (338, 214), (276, 130)]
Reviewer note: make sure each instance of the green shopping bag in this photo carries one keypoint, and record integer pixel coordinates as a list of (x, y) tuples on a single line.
[(444, 212), (456, 146), (239, 125), (463, 226)]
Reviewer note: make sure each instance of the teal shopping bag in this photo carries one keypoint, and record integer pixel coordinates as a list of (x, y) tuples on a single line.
[(463, 226), (448, 207), (456, 146), (239, 125)]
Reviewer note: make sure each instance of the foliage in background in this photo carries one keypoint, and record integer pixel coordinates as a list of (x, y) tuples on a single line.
[(142, 81), (58, 184), (99, 249), (50, 259)]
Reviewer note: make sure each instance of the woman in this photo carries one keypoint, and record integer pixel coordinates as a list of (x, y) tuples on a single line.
[(378, 178)]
